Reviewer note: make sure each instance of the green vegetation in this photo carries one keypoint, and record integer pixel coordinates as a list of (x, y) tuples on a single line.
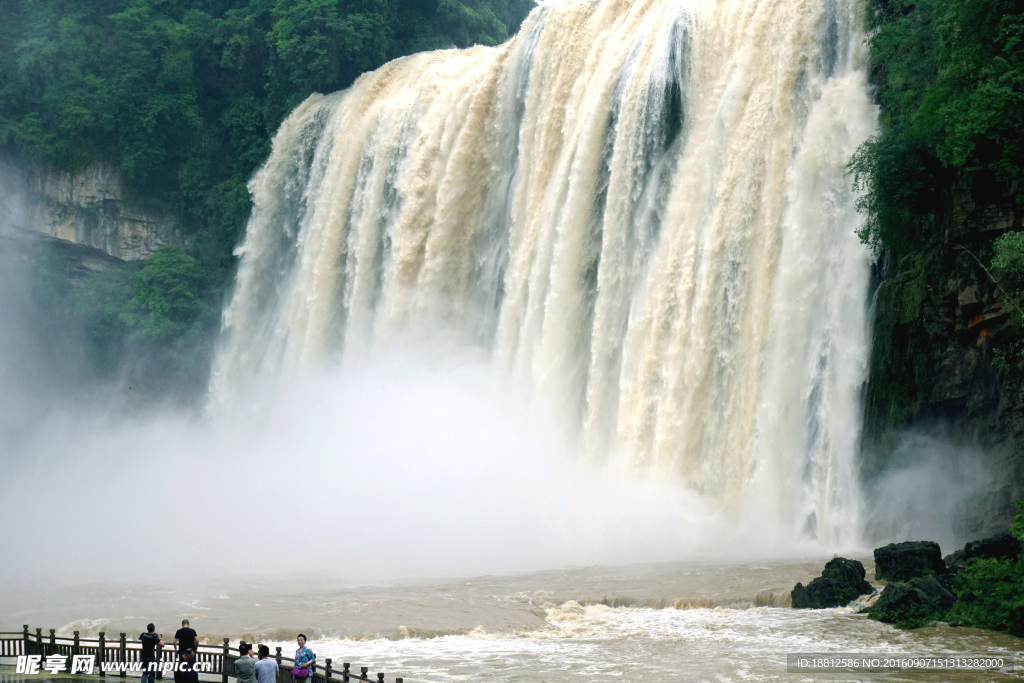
[(950, 76), (950, 82), (184, 96), (990, 592)]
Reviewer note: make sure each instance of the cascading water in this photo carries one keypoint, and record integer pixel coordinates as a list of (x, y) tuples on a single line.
[(639, 210)]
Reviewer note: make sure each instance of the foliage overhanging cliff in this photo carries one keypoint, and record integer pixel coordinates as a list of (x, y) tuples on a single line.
[(943, 203), (184, 97)]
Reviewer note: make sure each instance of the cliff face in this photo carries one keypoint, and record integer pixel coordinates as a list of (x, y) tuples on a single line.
[(86, 208), (938, 314)]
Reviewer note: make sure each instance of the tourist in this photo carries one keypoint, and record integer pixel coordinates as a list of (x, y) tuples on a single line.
[(185, 672), (245, 665), (185, 638), (304, 660), (149, 641), (266, 668)]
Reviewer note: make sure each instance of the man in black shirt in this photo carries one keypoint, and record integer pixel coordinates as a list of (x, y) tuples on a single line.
[(185, 638), (149, 641)]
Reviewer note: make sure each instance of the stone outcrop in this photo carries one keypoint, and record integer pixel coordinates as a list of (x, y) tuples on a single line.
[(1001, 546), (913, 603), (87, 208), (902, 561), (840, 582)]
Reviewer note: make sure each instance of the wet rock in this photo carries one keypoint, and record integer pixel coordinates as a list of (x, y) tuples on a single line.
[(841, 581), (918, 602), (895, 598), (902, 561), (933, 591)]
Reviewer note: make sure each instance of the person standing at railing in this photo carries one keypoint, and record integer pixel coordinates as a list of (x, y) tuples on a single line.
[(266, 668), (185, 638), (304, 661), (245, 665), (149, 641)]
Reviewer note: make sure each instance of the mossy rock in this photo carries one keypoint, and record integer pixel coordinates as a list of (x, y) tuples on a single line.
[(912, 604)]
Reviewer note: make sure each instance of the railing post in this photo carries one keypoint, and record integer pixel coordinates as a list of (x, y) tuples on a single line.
[(101, 654), (124, 654), (327, 669), (344, 672), (380, 677), (25, 644), (399, 680), (280, 675), (224, 663), (39, 641), (362, 672), (74, 648), (53, 643), (159, 658)]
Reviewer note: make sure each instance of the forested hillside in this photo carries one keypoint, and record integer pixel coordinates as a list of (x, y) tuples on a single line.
[(943, 204), (184, 96)]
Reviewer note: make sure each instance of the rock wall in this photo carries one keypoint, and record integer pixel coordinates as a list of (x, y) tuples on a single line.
[(87, 208), (938, 313)]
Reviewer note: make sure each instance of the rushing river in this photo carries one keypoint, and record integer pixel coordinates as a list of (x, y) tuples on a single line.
[(650, 623)]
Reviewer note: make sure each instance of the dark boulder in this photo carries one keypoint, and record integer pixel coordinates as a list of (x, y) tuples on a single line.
[(895, 598), (841, 581), (1001, 546), (849, 573), (933, 591), (902, 561), (918, 602)]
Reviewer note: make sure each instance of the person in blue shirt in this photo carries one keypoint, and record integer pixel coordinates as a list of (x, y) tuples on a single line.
[(304, 660), (266, 668)]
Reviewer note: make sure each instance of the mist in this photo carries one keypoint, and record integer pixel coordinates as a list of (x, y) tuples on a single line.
[(401, 467), (915, 497)]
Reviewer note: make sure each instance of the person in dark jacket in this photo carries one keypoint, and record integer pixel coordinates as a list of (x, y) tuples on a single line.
[(186, 671)]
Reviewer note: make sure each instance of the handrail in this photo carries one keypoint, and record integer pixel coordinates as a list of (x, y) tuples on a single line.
[(116, 650)]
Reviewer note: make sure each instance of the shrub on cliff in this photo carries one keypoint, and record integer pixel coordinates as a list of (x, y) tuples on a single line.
[(950, 78)]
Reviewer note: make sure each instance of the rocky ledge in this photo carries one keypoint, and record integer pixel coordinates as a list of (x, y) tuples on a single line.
[(840, 582), (923, 588), (87, 208)]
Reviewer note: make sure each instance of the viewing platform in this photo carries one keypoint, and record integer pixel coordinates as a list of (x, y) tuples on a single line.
[(102, 658)]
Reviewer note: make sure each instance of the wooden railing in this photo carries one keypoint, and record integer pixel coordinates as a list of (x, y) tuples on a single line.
[(221, 659)]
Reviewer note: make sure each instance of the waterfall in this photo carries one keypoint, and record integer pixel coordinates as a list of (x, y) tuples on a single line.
[(639, 210)]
